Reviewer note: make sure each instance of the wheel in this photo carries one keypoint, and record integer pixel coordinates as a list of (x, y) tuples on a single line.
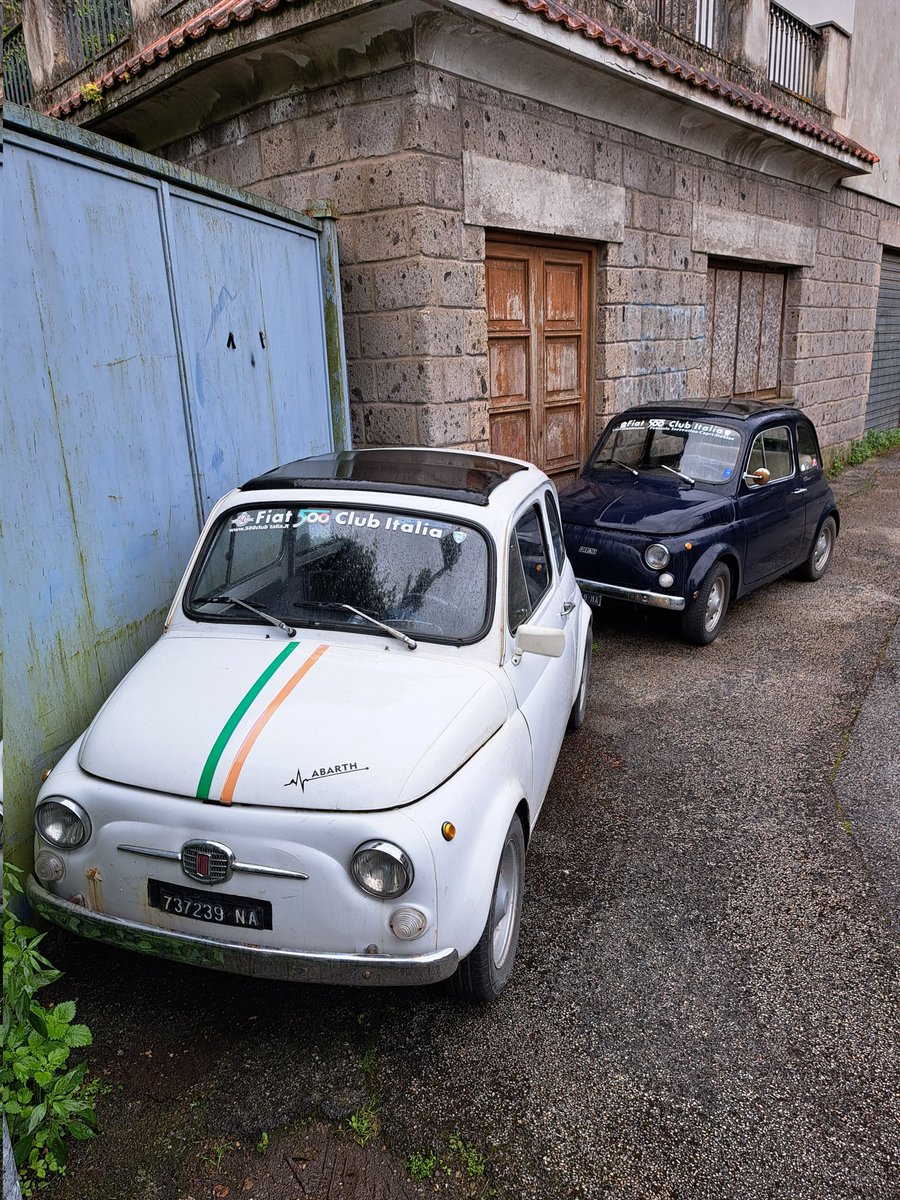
[(484, 973), (816, 564), (703, 617), (579, 708)]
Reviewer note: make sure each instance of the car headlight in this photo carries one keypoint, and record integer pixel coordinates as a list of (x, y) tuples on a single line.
[(62, 822), (381, 869), (656, 557)]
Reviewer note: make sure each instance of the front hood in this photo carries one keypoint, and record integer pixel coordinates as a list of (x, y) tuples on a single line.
[(644, 505), (299, 724)]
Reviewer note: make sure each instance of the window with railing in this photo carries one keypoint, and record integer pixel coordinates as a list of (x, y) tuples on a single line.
[(93, 26), (703, 21), (17, 85), (794, 50)]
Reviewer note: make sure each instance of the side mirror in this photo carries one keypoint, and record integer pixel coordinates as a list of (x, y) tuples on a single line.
[(539, 639), (758, 477)]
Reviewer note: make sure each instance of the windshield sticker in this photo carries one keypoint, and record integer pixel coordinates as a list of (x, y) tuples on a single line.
[(676, 425), (300, 780), (727, 472), (283, 518)]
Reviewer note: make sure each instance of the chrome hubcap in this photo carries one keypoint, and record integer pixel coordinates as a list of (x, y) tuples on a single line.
[(714, 604), (823, 549), (505, 904)]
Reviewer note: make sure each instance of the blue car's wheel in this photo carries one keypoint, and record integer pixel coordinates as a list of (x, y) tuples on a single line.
[(703, 617), (819, 557)]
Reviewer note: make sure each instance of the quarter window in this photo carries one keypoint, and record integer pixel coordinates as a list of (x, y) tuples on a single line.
[(807, 449), (771, 449), (529, 568), (556, 533)]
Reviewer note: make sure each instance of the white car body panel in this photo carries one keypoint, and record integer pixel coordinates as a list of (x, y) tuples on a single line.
[(291, 752)]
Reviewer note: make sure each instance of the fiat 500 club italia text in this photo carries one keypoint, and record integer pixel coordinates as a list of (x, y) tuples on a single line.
[(688, 507), (329, 766)]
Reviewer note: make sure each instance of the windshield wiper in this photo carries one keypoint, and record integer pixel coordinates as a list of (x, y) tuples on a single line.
[(360, 613), (624, 466), (288, 629), (680, 474)]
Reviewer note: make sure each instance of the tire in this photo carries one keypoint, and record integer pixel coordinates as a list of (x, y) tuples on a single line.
[(821, 552), (484, 973), (579, 708), (703, 617)]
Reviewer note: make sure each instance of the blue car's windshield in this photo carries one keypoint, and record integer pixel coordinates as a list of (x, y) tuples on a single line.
[(700, 451)]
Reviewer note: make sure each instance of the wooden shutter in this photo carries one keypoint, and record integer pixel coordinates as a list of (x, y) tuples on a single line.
[(746, 317)]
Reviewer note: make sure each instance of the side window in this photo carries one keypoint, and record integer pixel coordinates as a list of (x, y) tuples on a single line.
[(772, 449), (529, 568), (807, 448), (556, 533)]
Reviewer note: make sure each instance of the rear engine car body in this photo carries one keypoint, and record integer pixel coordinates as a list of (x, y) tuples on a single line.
[(687, 507), (328, 767)]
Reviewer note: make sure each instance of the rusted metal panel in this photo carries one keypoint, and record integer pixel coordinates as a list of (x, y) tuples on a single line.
[(126, 412)]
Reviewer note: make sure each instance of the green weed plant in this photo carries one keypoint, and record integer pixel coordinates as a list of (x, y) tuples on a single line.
[(876, 441), (45, 1100)]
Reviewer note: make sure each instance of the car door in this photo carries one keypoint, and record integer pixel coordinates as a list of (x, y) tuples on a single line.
[(771, 513), (543, 686)]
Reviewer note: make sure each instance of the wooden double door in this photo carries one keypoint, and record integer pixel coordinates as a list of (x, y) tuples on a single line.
[(538, 310)]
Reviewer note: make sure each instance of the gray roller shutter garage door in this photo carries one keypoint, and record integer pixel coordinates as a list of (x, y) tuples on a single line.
[(883, 408)]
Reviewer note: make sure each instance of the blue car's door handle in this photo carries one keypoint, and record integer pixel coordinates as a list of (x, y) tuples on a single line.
[(798, 491)]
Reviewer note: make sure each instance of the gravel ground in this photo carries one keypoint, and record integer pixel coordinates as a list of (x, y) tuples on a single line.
[(705, 1003)]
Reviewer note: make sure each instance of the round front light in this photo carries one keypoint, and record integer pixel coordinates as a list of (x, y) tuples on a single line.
[(49, 867), (666, 579), (656, 556), (381, 869), (62, 822)]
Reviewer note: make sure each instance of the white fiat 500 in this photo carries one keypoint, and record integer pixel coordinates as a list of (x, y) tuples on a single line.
[(329, 766)]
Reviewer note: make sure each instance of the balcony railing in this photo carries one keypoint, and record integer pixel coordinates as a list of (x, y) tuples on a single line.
[(17, 85), (794, 50), (93, 26), (702, 21)]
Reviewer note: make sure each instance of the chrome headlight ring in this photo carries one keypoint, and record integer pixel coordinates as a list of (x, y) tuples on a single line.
[(62, 822), (656, 556), (381, 869)]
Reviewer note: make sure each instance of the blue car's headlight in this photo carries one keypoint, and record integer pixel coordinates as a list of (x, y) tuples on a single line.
[(656, 556)]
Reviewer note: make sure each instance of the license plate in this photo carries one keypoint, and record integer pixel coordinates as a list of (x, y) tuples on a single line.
[(214, 908)]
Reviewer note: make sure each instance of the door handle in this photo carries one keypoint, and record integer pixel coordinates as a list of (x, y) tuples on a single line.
[(799, 491), (567, 608)]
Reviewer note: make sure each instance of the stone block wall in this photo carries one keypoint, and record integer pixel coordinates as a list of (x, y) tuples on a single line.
[(385, 152)]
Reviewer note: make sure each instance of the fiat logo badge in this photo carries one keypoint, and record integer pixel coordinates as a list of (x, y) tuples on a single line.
[(207, 862)]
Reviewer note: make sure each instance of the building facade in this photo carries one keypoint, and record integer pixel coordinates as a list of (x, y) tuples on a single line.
[(546, 213)]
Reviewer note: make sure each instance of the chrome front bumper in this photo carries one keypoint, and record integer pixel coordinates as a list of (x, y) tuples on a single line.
[(361, 970), (654, 599)]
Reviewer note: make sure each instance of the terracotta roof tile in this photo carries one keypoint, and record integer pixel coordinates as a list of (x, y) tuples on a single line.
[(219, 17)]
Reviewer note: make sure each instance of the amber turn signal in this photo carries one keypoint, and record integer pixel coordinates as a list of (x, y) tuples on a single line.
[(448, 829), (688, 545)]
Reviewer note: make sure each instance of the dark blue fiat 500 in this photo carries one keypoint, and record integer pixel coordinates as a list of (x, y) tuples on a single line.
[(687, 507)]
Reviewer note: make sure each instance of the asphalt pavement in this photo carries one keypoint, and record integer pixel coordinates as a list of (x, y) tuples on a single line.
[(705, 1005)]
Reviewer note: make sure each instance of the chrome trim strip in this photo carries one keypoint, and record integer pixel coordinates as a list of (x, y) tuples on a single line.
[(278, 872), (247, 868), (169, 855), (362, 970), (654, 599)]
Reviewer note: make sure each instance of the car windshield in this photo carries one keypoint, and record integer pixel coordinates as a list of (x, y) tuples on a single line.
[(302, 565), (700, 450)]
